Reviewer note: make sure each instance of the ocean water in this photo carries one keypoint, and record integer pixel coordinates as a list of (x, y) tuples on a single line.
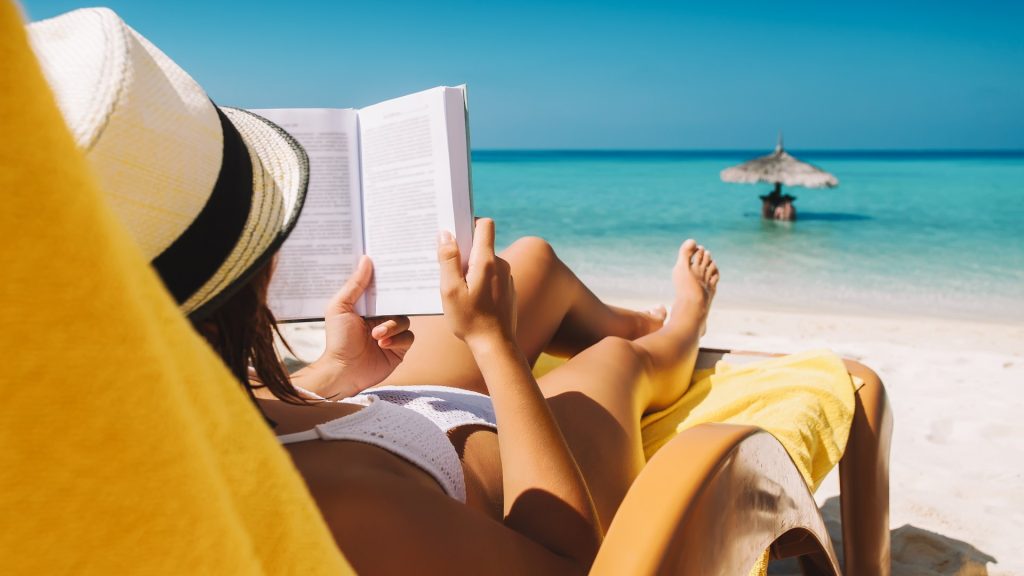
[(935, 234)]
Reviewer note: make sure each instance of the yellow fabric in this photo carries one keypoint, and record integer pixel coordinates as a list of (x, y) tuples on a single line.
[(125, 445), (760, 567), (805, 400)]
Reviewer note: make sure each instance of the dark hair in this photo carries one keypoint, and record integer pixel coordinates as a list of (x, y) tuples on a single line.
[(242, 330)]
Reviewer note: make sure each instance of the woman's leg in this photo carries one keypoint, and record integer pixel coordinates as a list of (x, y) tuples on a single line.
[(557, 314), (599, 396), (864, 478)]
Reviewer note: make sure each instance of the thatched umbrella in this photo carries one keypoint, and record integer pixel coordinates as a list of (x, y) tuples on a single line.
[(779, 168)]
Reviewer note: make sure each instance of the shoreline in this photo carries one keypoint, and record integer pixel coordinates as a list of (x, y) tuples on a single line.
[(876, 311)]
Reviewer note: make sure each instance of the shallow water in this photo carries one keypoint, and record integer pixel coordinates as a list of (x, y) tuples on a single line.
[(939, 234)]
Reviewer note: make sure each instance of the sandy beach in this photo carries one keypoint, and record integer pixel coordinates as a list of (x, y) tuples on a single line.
[(957, 468)]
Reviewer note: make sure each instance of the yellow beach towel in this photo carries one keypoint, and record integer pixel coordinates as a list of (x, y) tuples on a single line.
[(125, 445), (805, 400)]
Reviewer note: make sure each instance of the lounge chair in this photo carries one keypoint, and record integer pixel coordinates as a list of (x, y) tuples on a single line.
[(716, 496)]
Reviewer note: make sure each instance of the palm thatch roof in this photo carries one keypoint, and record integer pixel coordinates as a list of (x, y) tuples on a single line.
[(780, 168)]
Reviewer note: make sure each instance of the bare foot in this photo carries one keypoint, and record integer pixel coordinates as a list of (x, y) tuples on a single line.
[(641, 322), (656, 317), (582, 329), (673, 349), (695, 278)]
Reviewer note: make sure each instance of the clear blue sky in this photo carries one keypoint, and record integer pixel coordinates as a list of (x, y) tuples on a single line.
[(596, 74)]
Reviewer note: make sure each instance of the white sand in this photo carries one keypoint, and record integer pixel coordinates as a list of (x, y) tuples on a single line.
[(957, 392)]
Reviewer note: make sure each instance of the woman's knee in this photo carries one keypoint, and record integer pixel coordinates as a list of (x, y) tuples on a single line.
[(871, 397), (870, 377), (531, 249), (613, 372), (622, 353)]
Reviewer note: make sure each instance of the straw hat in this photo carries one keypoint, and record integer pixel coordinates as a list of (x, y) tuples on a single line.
[(208, 193)]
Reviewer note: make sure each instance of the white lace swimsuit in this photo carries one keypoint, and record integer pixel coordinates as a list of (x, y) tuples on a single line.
[(411, 422)]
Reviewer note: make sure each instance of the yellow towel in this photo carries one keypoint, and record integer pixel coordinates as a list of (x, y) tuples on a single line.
[(125, 446), (805, 400)]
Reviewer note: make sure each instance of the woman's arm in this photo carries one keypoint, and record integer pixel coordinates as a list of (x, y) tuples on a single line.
[(546, 498)]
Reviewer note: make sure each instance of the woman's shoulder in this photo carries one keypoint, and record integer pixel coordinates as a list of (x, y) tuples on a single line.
[(291, 418)]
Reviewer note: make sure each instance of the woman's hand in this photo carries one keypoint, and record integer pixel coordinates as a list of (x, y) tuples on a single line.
[(360, 352), (480, 305)]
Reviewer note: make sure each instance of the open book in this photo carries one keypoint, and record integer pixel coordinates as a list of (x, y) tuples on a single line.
[(383, 180)]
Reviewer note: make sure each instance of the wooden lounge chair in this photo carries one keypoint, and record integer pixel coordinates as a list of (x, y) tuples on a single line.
[(717, 495)]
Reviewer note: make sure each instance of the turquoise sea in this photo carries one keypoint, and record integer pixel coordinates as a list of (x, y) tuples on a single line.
[(913, 233)]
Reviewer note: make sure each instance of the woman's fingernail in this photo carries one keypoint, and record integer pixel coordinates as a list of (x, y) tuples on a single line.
[(445, 237)]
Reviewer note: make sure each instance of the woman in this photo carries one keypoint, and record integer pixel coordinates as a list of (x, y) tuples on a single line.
[(527, 504), (536, 494)]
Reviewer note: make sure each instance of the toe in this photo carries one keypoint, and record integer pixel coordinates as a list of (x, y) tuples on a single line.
[(687, 250), (698, 265), (705, 259), (711, 271)]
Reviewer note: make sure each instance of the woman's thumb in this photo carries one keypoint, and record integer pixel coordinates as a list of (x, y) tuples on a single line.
[(450, 263)]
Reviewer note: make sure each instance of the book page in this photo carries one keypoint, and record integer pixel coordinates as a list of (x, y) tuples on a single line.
[(407, 185), (325, 245)]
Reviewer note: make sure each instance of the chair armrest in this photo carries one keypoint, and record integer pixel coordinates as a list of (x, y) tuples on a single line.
[(711, 501)]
